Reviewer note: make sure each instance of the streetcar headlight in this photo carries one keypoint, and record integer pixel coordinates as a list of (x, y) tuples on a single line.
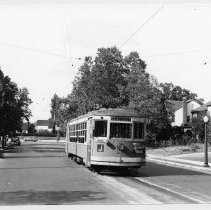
[(120, 147)]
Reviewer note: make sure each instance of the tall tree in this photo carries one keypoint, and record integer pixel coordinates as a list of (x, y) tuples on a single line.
[(172, 92), (14, 106), (23, 103), (145, 97), (82, 88), (55, 105), (114, 81), (108, 76)]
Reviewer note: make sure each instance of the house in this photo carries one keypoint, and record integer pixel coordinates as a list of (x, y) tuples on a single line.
[(182, 111), (205, 109), (44, 125)]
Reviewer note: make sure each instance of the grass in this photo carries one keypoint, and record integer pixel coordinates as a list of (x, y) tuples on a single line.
[(177, 150), (42, 138)]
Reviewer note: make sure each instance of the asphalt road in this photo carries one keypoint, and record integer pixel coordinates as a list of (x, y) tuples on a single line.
[(40, 173)]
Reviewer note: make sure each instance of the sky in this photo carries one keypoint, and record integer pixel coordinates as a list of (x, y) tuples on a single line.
[(41, 41)]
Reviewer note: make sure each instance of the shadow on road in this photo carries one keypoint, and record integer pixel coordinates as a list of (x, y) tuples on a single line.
[(40, 156), (152, 170), (37, 167), (28, 197)]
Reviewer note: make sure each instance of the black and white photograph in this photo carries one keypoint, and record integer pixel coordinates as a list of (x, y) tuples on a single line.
[(105, 103)]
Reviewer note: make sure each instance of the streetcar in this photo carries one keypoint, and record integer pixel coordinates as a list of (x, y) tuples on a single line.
[(107, 138)]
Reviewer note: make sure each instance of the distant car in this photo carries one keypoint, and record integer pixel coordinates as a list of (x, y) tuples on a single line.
[(33, 139), (16, 141)]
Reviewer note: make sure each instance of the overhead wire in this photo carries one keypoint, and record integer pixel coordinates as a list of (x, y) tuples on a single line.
[(165, 54), (179, 52), (39, 51), (125, 42), (142, 26)]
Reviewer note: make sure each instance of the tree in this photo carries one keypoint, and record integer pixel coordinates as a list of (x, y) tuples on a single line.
[(31, 128), (23, 103), (55, 104), (198, 127), (172, 92), (114, 81), (14, 106), (107, 77), (82, 93), (145, 97), (160, 125)]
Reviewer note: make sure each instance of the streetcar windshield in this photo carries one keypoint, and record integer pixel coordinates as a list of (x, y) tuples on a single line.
[(100, 128), (120, 130)]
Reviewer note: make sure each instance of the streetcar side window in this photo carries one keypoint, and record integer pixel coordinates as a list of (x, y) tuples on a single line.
[(78, 133), (138, 130), (82, 132), (100, 128)]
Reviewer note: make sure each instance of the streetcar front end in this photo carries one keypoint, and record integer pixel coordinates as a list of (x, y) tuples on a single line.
[(118, 141)]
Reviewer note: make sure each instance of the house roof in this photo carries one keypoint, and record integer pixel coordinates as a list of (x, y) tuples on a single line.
[(174, 105), (42, 123), (202, 108)]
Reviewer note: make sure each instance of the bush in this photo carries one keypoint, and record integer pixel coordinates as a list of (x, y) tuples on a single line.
[(178, 139), (195, 147), (39, 134)]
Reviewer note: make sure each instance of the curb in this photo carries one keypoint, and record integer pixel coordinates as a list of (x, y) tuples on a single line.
[(179, 164)]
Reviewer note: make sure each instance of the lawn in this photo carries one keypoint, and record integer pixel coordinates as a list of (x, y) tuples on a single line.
[(177, 150)]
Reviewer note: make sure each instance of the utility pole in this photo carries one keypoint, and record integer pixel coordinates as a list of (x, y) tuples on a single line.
[(206, 120)]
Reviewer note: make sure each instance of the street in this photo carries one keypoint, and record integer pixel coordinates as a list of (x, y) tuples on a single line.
[(40, 173)]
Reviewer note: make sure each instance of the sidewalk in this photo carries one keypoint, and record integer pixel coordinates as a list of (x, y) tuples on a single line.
[(192, 161)]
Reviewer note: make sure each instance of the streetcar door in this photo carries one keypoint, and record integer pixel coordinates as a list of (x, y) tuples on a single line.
[(91, 124)]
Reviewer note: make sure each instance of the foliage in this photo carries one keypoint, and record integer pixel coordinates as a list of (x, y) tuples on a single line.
[(14, 106), (42, 134), (114, 81), (172, 92), (31, 128), (108, 77), (145, 97), (81, 97), (198, 128), (55, 105)]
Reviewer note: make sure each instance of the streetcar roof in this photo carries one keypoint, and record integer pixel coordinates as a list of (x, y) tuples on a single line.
[(110, 112)]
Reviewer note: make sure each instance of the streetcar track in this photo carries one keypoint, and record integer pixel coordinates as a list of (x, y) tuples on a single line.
[(131, 194), (201, 198), (150, 192), (166, 190)]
